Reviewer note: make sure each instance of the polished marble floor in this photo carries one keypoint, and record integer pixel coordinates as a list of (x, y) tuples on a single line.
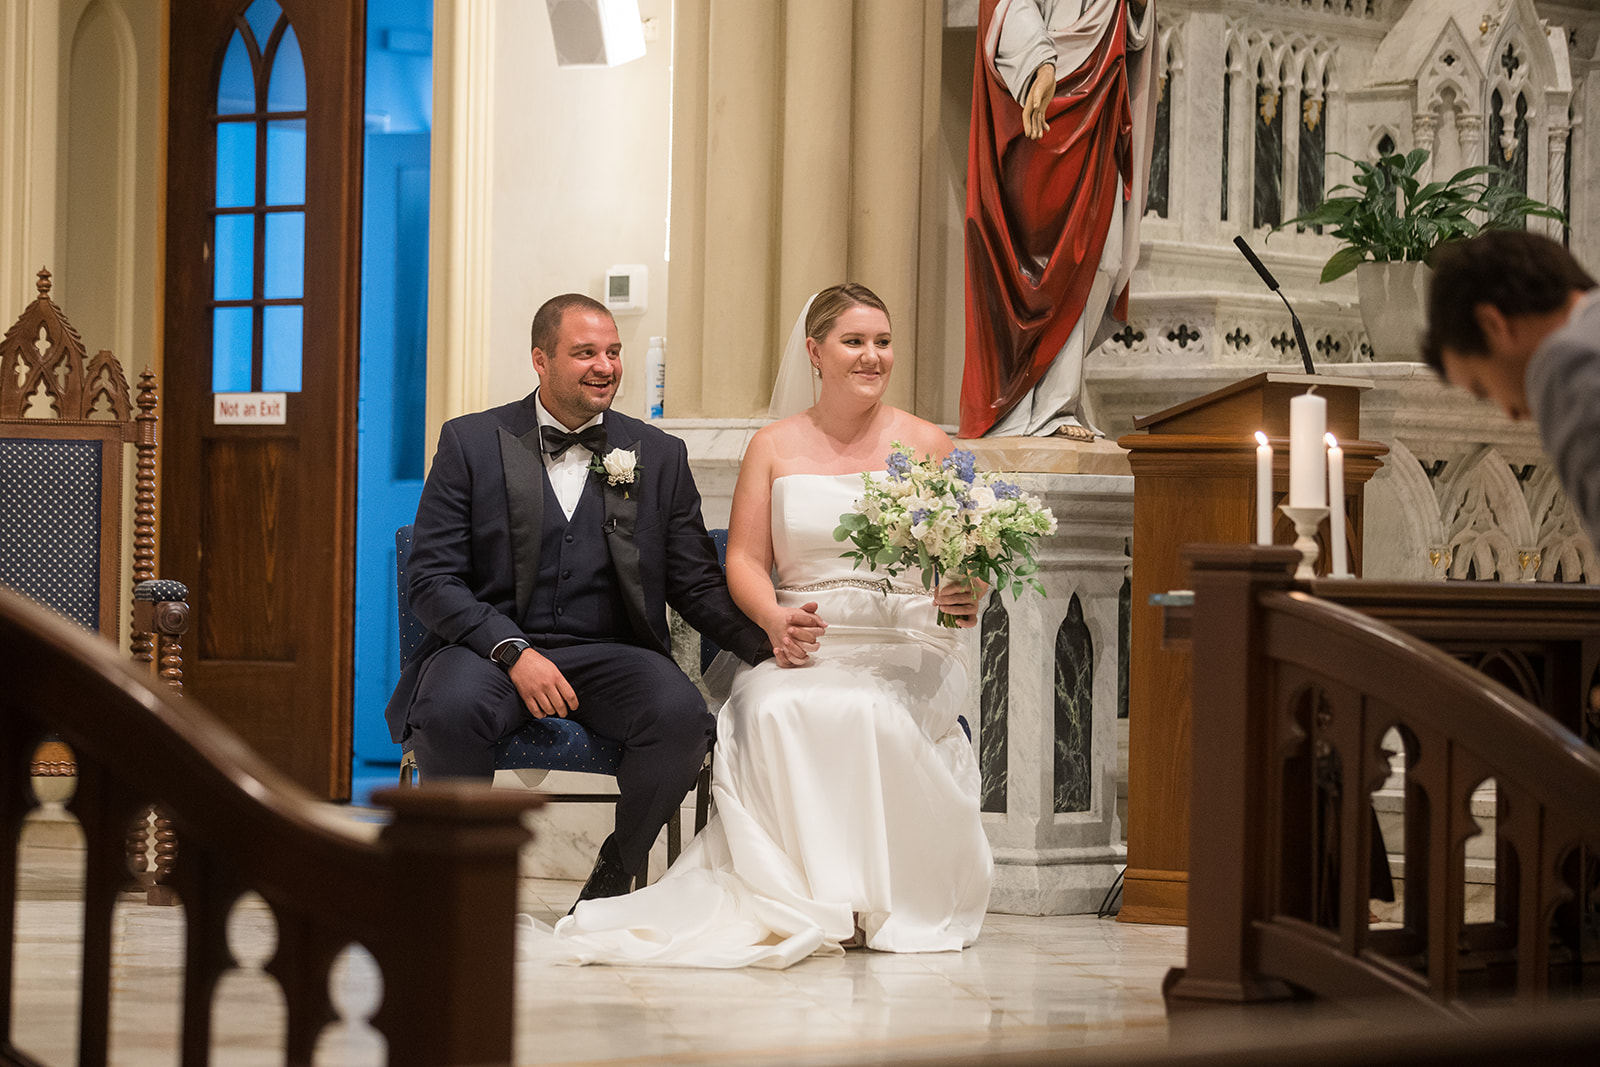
[(1030, 983)]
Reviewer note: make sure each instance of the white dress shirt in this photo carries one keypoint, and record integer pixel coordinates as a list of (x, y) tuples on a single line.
[(569, 472)]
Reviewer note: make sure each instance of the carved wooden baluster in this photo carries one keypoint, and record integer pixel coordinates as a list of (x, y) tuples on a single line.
[(138, 849), (142, 642), (144, 507), (172, 619), (161, 893), (161, 608), (172, 661)]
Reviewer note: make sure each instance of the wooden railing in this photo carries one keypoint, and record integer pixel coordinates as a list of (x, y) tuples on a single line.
[(1293, 695), (432, 898)]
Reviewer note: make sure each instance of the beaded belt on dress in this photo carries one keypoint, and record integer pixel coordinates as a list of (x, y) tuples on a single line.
[(877, 585)]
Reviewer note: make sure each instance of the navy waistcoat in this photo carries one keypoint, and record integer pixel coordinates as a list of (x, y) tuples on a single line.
[(576, 596)]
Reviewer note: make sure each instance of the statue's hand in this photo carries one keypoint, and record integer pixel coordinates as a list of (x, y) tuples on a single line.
[(1037, 101)]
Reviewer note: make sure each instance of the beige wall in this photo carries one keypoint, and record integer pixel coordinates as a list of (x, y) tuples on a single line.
[(543, 177), (29, 31), (81, 157), (811, 141), (579, 185), (108, 272), (81, 164)]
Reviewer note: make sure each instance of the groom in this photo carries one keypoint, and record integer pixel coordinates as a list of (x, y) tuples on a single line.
[(550, 536)]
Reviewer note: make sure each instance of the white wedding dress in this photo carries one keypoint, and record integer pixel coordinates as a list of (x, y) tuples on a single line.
[(845, 787)]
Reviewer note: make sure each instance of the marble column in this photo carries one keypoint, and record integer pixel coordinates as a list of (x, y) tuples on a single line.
[(1423, 125), (1470, 128), (1046, 688), (1557, 180)]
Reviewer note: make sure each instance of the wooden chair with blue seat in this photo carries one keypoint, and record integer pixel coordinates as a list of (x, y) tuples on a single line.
[(543, 745)]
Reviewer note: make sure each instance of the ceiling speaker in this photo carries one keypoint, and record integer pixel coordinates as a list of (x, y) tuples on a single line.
[(595, 33)]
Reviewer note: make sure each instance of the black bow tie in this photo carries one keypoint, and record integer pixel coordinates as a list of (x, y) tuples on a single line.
[(557, 441)]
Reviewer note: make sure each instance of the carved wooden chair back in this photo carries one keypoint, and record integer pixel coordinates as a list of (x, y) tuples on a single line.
[(67, 424)]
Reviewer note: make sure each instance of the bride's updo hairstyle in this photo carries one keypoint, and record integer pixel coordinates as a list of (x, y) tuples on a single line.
[(830, 303)]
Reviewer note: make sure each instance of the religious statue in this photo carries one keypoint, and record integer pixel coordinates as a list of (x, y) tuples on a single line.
[(1057, 169)]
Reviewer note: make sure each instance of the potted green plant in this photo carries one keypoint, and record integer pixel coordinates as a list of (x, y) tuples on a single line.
[(1390, 222)]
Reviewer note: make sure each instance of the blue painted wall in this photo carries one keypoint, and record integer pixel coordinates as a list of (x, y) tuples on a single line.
[(394, 328)]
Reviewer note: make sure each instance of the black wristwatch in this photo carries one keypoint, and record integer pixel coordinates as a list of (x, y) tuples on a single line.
[(507, 651)]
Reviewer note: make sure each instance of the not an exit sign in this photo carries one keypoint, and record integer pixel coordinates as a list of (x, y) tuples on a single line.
[(248, 409)]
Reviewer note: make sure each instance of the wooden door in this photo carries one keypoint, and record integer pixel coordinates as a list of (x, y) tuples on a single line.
[(263, 230)]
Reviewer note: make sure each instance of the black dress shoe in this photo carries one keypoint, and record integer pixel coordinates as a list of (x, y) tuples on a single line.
[(608, 879)]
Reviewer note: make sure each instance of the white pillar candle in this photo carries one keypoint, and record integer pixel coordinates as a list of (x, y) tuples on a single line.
[(1336, 546), (1263, 489), (1308, 467)]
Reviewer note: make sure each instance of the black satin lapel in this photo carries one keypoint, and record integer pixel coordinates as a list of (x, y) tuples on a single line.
[(523, 464), (622, 516)]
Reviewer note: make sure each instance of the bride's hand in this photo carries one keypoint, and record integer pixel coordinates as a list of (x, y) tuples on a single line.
[(794, 633), (960, 596)]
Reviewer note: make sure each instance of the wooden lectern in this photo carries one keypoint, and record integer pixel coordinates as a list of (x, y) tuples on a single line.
[(1194, 481)]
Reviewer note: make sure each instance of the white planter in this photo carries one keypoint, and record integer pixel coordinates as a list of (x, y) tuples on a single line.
[(1393, 298)]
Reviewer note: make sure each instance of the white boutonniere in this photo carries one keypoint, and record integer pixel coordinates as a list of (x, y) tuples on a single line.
[(620, 467)]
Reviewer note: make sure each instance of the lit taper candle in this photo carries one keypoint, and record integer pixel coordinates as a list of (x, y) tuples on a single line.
[(1263, 489), (1336, 544)]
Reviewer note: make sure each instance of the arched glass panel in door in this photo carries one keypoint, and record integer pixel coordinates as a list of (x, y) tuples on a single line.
[(259, 214)]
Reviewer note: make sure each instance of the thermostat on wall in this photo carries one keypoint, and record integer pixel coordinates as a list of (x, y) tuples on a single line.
[(627, 288)]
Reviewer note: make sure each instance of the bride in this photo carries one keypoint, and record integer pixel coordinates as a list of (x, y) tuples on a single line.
[(846, 791)]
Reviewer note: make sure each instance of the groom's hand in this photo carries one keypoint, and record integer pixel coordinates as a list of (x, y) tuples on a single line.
[(542, 686), (794, 633)]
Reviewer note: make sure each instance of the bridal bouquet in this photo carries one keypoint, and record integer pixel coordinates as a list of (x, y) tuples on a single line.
[(944, 517)]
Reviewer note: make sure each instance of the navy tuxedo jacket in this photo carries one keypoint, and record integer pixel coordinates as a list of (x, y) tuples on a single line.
[(475, 551)]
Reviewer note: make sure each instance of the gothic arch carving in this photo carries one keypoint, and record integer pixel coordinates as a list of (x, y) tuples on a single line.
[(1485, 518), (1452, 61), (1513, 63), (1402, 521), (1565, 554), (1235, 48), (1074, 715), (1375, 141), (1170, 44)]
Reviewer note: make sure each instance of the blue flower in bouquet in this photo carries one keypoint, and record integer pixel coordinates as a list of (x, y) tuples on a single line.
[(942, 517), (962, 463)]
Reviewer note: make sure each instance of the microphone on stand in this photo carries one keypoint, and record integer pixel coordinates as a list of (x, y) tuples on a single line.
[(1272, 283)]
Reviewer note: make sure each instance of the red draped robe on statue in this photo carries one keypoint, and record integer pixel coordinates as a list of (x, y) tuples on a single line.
[(1038, 212)]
